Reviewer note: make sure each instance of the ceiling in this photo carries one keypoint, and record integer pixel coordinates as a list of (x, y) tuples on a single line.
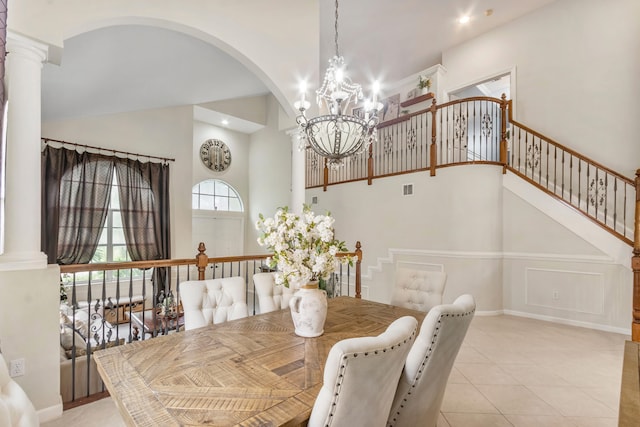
[(128, 68)]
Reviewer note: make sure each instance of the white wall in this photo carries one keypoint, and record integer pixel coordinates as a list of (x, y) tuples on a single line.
[(29, 329), (455, 213), (577, 75), (236, 175), (552, 273), (491, 243), (270, 173)]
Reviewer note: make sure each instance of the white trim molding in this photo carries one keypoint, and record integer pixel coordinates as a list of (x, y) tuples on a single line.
[(571, 322)]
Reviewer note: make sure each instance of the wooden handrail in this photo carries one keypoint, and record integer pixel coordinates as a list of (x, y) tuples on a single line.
[(544, 155), (201, 261), (565, 148), (434, 107)]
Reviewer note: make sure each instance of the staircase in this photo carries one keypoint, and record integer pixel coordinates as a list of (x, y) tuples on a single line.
[(481, 130)]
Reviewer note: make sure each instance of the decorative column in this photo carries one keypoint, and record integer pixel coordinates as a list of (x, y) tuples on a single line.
[(297, 173), (22, 184)]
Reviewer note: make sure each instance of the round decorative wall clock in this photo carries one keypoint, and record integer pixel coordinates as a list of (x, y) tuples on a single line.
[(215, 155)]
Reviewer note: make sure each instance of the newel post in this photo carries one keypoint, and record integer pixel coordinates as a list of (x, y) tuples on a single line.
[(201, 260), (432, 149), (635, 265), (358, 269), (503, 132)]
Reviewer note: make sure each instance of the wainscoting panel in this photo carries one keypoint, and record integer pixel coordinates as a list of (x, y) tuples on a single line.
[(577, 291), (423, 266)]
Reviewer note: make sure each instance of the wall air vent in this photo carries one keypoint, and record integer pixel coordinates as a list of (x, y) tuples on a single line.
[(407, 190)]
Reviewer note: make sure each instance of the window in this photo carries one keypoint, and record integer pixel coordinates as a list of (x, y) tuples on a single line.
[(215, 195), (112, 246)]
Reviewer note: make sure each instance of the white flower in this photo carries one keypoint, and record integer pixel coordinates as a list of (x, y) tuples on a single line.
[(304, 245)]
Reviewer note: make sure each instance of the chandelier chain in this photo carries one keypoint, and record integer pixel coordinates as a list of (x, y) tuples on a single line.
[(336, 27), (339, 133)]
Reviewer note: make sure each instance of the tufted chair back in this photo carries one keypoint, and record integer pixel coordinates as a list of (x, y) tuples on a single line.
[(360, 377), (426, 372), (213, 301), (16, 410), (271, 297), (418, 289)]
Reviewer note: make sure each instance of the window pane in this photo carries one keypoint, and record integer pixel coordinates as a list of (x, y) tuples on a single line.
[(206, 202), (227, 198), (117, 219), (120, 254), (100, 255), (234, 205), (118, 236), (222, 189), (222, 203), (206, 187), (103, 236), (115, 200)]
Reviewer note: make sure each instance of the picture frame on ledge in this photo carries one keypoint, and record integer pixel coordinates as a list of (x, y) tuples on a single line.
[(390, 108)]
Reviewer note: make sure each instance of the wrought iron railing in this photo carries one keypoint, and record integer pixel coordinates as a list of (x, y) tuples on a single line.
[(135, 307), (482, 130), (463, 131), (603, 195)]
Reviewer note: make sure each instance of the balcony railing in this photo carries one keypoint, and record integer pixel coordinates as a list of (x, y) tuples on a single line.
[(482, 130), (101, 313)]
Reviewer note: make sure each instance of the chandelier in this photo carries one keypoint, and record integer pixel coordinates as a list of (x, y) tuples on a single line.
[(336, 135)]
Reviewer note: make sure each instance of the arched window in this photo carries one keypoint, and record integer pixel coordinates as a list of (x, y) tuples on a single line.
[(215, 195)]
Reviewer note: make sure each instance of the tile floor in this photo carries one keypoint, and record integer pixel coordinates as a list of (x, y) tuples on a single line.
[(510, 371)]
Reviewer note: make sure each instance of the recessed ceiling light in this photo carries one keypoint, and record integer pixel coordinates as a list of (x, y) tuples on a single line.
[(464, 19), (488, 12), (225, 122)]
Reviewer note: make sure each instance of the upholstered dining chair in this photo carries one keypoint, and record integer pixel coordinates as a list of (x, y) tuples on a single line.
[(423, 381), (418, 289), (213, 301), (271, 297), (360, 377), (16, 410)]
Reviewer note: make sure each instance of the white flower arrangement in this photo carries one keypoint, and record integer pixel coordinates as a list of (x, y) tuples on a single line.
[(304, 247)]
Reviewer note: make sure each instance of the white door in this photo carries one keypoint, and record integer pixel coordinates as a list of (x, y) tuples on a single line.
[(223, 235)]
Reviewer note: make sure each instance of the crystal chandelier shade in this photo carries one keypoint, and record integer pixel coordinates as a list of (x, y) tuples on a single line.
[(337, 135)]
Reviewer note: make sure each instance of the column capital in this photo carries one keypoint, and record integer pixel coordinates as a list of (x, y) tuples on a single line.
[(25, 46)]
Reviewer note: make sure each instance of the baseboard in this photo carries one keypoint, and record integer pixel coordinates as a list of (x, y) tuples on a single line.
[(588, 325), (50, 413), (487, 313)]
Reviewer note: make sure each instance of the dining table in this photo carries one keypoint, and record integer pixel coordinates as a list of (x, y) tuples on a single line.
[(248, 372)]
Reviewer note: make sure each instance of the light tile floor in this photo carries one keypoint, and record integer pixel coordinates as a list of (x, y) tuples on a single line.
[(511, 371)]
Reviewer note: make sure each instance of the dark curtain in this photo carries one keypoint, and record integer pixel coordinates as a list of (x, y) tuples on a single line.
[(144, 205), (75, 198)]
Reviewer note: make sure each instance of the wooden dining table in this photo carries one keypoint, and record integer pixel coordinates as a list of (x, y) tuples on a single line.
[(248, 372)]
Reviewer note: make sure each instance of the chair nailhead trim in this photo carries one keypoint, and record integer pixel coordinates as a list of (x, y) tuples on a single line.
[(343, 367), (434, 338)]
